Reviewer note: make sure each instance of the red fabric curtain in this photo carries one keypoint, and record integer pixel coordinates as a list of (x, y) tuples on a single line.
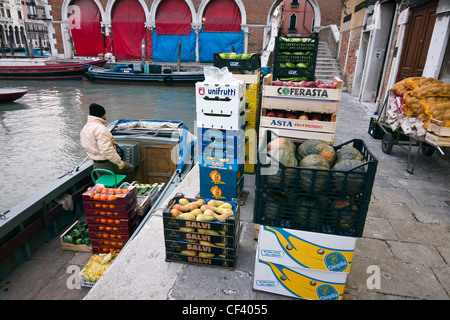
[(86, 32), (222, 15), (173, 17), (128, 27)]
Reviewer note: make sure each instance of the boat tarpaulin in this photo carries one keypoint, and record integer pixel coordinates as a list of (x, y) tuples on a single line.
[(173, 18), (84, 25), (128, 27), (211, 42), (222, 16), (165, 47)]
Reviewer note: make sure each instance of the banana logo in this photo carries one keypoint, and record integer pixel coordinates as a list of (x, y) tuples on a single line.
[(305, 287), (310, 255)]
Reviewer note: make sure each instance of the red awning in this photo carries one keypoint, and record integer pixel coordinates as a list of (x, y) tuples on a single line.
[(86, 32), (222, 15), (128, 27), (173, 17)]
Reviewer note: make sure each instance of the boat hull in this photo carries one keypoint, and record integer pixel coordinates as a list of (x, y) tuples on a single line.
[(174, 78), (47, 72), (8, 95)]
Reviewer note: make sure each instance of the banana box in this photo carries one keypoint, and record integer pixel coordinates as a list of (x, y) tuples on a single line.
[(301, 283), (308, 250), (221, 192), (221, 176)]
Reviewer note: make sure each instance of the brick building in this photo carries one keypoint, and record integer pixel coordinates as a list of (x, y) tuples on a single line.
[(102, 25), (385, 41)]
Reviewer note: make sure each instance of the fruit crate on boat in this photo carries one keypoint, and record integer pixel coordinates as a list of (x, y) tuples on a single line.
[(311, 199), (249, 61), (197, 241), (300, 110)]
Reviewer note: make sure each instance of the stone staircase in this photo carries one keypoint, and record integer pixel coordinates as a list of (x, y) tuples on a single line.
[(327, 67)]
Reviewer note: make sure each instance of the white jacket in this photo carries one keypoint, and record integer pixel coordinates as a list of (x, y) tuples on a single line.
[(98, 142)]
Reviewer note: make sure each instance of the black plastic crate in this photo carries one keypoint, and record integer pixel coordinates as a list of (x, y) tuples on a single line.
[(254, 63), (308, 74), (318, 200), (297, 43), (306, 57)]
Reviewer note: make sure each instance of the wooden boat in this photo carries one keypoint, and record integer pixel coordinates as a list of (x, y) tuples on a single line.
[(48, 71), (143, 74), (149, 144), (11, 94)]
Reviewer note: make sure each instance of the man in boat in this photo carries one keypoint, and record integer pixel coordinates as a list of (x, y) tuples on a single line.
[(99, 145)]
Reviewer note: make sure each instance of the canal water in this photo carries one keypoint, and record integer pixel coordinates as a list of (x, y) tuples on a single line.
[(40, 132)]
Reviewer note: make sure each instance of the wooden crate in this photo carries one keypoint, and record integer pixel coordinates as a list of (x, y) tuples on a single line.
[(249, 78), (437, 133), (321, 100), (71, 246)]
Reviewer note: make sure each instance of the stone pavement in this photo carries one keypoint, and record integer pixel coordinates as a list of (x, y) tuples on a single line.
[(404, 252), (406, 233)]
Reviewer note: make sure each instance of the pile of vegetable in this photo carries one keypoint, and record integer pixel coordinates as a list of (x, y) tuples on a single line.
[(97, 266), (297, 40), (235, 56), (79, 234), (424, 98)]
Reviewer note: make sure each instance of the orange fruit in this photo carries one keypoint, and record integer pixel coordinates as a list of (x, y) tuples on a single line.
[(109, 213), (111, 197), (107, 242), (103, 213), (105, 249), (97, 205), (112, 206), (116, 229), (104, 196), (116, 213), (103, 220), (119, 236), (101, 227), (105, 205), (119, 190), (113, 243), (110, 220), (117, 221), (112, 235), (120, 244), (91, 195), (105, 235), (117, 250), (108, 228), (97, 196)]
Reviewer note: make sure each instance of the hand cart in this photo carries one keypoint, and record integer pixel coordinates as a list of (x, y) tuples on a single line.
[(379, 129)]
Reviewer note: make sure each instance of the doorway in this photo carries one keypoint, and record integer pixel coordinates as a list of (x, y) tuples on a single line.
[(417, 41)]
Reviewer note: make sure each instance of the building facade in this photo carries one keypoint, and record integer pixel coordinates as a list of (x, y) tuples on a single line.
[(383, 42), (23, 23), (130, 29)]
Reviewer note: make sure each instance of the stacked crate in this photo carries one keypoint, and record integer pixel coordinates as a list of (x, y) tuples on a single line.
[(213, 243), (252, 112), (221, 138), (110, 222), (310, 219), (296, 57), (319, 105)]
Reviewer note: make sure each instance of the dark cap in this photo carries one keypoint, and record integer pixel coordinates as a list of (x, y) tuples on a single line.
[(96, 110)]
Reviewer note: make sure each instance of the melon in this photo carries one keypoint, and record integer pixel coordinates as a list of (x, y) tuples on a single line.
[(316, 146), (282, 151), (273, 206), (346, 179), (311, 146), (348, 153), (346, 212), (314, 181), (306, 213)]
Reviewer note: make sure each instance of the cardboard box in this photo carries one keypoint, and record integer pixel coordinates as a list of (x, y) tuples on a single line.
[(221, 192), (303, 249), (214, 91), (221, 176), (298, 282)]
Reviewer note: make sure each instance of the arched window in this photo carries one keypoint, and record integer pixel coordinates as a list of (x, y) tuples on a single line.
[(293, 23)]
